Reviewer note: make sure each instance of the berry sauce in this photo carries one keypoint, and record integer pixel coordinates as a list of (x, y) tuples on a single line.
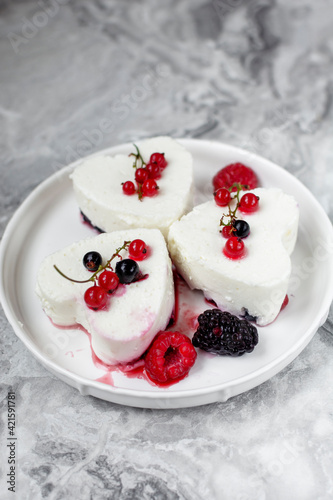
[(188, 305), (184, 319)]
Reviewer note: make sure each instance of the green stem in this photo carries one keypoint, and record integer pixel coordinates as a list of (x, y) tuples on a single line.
[(101, 268), (232, 213), (137, 157), (71, 279)]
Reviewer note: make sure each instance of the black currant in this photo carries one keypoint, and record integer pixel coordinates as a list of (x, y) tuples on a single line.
[(92, 261), (127, 270), (241, 228)]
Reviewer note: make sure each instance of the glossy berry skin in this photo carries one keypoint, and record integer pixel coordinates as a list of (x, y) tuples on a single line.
[(141, 175), (149, 188), (222, 197), (153, 171), (92, 261), (224, 334), (235, 173), (127, 271), (227, 231), (241, 228), (128, 188), (95, 297), (158, 158), (137, 250), (108, 280), (170, 357), (249, 203), (234, 248)]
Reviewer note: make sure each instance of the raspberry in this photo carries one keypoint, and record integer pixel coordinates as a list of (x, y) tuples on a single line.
[(170, 357), (224, 334), (235, 173)]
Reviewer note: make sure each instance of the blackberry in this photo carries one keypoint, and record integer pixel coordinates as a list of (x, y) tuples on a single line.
[(224, 334)]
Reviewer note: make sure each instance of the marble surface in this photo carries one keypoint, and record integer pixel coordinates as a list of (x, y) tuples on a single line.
[(77, 76)]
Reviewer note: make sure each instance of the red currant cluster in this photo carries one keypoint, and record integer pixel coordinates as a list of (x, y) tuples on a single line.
[(145, 175), (235, 229), (105, 279)]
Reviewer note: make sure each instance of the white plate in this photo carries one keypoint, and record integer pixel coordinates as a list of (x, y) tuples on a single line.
[(49, 219)]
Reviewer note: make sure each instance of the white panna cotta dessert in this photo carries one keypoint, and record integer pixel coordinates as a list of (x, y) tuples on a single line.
[(255, 284), (134, 313), (98, 187)]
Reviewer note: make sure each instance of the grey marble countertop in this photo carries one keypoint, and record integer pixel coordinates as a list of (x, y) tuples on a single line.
[(78, 76)]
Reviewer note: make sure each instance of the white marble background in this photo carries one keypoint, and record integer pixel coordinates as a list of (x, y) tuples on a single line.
[(77, 76)]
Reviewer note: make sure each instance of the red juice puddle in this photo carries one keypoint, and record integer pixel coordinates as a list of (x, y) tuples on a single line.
[(285, 303), (283, 306), (119, 291), (106, 379), (175, 313), (183, 318)]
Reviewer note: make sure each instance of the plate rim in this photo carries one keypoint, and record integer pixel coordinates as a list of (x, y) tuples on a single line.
[(144, 398)]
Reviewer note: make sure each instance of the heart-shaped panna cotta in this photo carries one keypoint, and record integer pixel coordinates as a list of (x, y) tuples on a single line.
[(135, 312), (257, 283), (97, 184)]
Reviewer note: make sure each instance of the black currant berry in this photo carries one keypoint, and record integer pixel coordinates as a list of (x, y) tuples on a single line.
[(127, 270), (241, 228), (92, 261)]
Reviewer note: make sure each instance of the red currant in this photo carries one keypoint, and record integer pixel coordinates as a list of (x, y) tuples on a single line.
[(249, 203), (153, 171), (234, 248), (141, 175), (149, 188), (95, 297), (222, 197), (137, 250), (128, 188), (227, 231), (158, 158), (108, 280)]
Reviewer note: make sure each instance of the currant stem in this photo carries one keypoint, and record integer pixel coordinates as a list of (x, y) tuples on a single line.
[(232, 213), (71, 279), (140, 195), (137, 156), (101, 268)]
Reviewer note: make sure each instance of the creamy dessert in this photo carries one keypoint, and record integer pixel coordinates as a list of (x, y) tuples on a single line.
[(254, 282), (113, 195), (123, 313)]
